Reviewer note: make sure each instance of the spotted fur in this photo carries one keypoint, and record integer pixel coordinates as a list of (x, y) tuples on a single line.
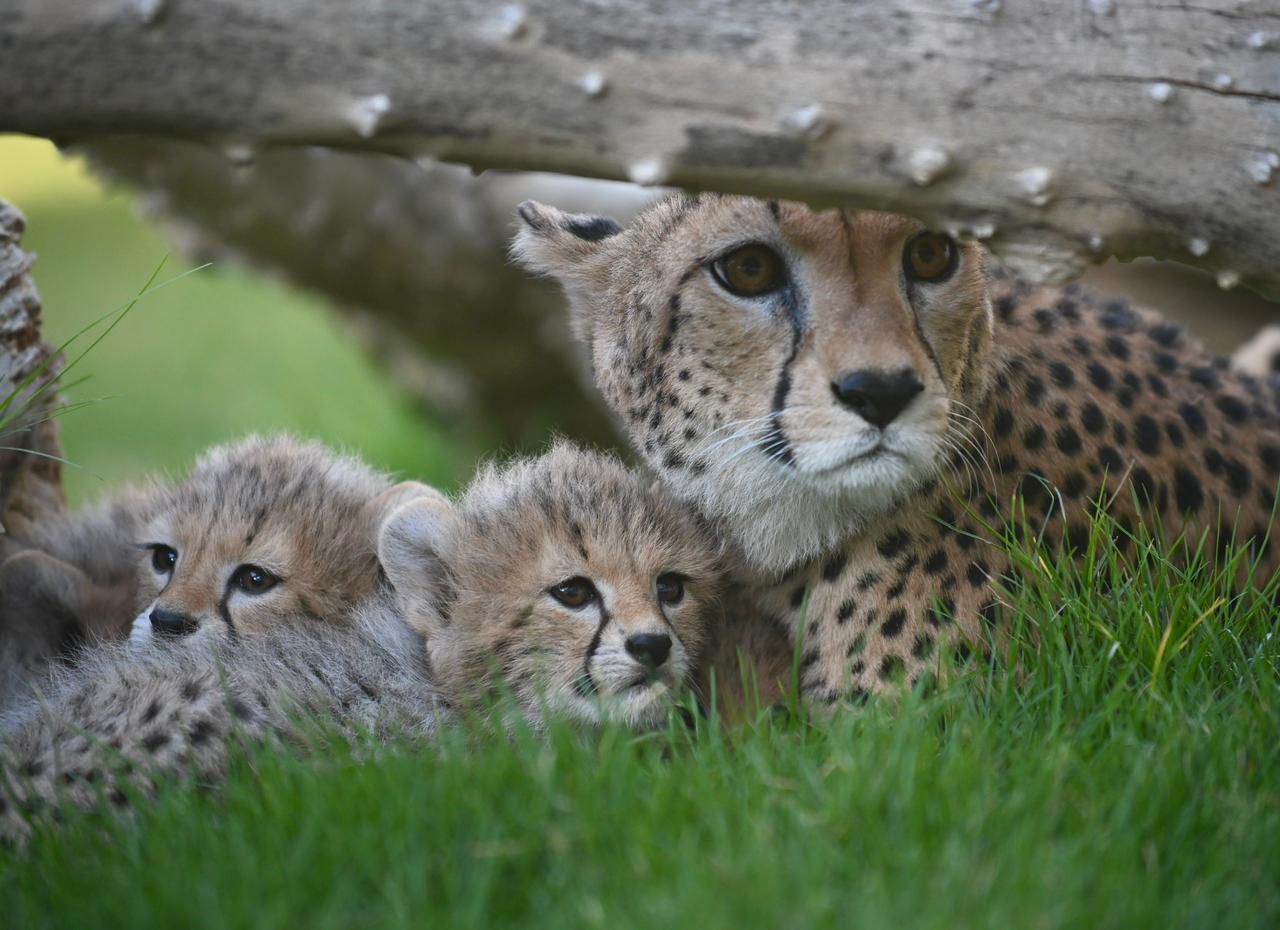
[(869, 539), (471, 608)]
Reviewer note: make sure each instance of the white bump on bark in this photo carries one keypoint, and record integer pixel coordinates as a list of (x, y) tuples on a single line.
[(1096, 243), (365, 114), (983, 230), (148, 10), (927, 164), (1161, 92), (1223, 81), (1101, 7), (807, 121), (989, 7), (240, 154), (593, 83), (1227, 279), (1035, 184), (1260, 40), (510, 22), (1198, 246), (647, 172), (1262, 168)]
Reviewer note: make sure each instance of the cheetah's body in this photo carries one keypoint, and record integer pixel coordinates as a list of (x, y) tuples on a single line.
[(869, 537)]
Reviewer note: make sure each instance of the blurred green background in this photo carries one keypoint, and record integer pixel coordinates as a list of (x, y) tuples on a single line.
[(211, 357)]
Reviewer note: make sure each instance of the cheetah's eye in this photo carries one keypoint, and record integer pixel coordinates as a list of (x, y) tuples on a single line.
[(750, 271), (254, 580), (930, 257), (574, 592), (163, 558), (670, 588)]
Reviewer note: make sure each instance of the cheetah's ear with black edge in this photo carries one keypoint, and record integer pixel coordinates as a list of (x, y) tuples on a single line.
[(412, 548), (561, 245)]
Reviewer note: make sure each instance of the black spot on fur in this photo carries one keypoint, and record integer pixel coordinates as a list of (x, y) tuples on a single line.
[(1099, 376), (1067, 440), (893, 623), (1194, 419), (1187, 490), (1092, 419), (1062, 375), (592, 230), (154, 740), (977, 574), (892, 544), (1146, 434), (846, 611), (1233, 408), (834, 566), (1118, 346), (892, 667)]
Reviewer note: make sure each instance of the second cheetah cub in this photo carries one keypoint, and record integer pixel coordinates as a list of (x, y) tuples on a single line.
[(567, 577)]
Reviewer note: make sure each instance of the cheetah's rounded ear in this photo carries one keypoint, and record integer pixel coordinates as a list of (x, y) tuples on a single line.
[(560, 244), (412, 547), (389, 501)]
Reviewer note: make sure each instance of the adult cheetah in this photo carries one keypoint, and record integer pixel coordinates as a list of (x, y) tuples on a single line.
[(849, 397)]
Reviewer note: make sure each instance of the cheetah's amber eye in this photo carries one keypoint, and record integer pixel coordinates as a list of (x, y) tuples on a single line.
[(750, 271), (163, 558), (670, 588), (254, 580), (930, 257), (574, 592)]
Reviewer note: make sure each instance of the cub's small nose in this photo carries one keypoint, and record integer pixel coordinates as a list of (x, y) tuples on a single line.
[(172, 622), (649, 649), (877, 396)]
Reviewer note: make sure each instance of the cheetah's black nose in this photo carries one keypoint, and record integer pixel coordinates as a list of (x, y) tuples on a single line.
[(649, 649), (877, 396), (172, 622)]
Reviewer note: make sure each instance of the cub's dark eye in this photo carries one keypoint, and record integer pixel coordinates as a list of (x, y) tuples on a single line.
[(750, 271), (930, 257), (163, 558), (575, 592), (670, 588), (254, 580)]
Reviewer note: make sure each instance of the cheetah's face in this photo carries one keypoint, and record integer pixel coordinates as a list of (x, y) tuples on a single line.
[(793, 372), (563, 580), (263, 533)]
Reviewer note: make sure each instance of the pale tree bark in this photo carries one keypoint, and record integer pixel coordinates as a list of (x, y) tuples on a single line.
[(1060, 132), (30, 473)]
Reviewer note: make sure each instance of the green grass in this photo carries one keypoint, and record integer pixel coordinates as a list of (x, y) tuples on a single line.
[(1129, 777), (214, 356)]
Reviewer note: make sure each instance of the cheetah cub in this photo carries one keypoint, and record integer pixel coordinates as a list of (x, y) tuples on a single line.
[(262, 531), (851, 399), (573, 583), (567, 577)]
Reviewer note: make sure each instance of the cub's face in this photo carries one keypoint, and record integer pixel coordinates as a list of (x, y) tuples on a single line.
[(792, 372), (564, 579), (265, 532)]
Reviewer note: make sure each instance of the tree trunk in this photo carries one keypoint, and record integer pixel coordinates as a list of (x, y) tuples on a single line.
[(30, 473), (1061, 133)]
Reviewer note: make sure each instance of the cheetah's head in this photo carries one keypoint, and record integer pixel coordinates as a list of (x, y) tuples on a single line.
[(263, 532), (566, 579), (792, 372)]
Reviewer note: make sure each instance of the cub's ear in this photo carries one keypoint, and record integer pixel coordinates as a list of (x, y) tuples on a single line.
[(561, 245), (412, 547), (392, 499)]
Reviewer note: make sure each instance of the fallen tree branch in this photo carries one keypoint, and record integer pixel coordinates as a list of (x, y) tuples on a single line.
[(1060, 134)]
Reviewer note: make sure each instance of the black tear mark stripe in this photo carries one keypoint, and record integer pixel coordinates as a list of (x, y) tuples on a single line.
[(775, 444), (224, 611), (586, 685)]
